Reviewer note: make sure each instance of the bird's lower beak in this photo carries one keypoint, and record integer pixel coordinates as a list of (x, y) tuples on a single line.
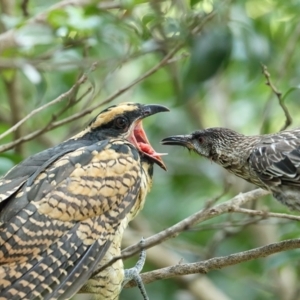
[(179, 140)]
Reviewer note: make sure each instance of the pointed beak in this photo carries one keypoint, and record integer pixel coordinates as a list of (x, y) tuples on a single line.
[(152, 109), (179, 140)]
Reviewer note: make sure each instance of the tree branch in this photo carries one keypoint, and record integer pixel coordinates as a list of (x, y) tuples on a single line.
[(54, 124), (187, 223), (217, 262), (161, 256), (265, 214), (12, 86), (63, 96), (288, 118), (24, 7), (15, 103)]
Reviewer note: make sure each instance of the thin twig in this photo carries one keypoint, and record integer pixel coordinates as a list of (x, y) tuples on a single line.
[(63, 96), (217, 263), (188, 222), (206, 19), (52, 124), (12, 87), (231, 224), (15, 103), (24, 7), (288, 118), (265, 214), (163, 62), (282, 67)]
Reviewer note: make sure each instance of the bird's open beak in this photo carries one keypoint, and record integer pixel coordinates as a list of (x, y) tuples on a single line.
[(139, 137), (179, 140)]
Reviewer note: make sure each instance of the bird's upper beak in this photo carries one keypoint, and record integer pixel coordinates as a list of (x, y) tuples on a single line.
[(139, 137), (179, 140), (152, 109)]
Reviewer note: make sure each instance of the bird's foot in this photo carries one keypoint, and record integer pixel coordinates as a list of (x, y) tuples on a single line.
[(134, 273)]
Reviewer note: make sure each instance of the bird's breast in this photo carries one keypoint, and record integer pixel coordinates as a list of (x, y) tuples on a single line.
[(146, 184)]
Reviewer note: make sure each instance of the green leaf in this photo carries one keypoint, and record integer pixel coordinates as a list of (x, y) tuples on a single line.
[(289, 91), (57, 18), (195, 2), (209, 52)]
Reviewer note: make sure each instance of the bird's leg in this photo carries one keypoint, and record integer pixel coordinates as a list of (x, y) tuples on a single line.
[(134, 273)]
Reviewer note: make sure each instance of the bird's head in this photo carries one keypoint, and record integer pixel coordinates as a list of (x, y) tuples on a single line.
[(124, 121), (210, 143)]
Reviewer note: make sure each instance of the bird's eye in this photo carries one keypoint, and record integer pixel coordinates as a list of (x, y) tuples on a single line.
[(121, 123), (200, 139)]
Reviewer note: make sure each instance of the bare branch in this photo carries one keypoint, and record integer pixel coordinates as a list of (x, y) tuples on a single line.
[(15, 103), (217, 262), (161, 256), (54, 124), (163, 62), (288, 118), (188, 222), (24, 7), (63, 96), (12, 86), (282, 67), (265, 214)]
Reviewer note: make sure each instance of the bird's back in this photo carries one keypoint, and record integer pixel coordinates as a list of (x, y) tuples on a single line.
[(276, 161)]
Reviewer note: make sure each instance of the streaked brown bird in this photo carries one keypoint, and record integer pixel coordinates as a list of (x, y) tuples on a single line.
[(63, 211), (270, 161)]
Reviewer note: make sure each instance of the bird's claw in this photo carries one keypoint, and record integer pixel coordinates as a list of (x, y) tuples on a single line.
[(134, 273)]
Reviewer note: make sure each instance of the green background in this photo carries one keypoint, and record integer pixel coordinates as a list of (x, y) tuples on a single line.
[(214, 78)]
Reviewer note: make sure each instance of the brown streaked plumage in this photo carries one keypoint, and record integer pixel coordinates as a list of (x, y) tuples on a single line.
[(270, 161), (63, 211)]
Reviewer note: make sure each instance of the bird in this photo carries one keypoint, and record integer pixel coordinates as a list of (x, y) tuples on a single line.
[(269, 161), (63, 211)]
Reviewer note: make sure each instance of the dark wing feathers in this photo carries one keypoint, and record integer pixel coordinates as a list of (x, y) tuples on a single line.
[(276, 159), (34, 165), (85, 267), (55, 241), (294, 156), (10, 186), (34, 162), (284, 167)]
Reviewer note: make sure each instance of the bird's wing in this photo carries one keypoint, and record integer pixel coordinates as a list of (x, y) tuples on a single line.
[(56, 228), (276, 160), (13, 180)]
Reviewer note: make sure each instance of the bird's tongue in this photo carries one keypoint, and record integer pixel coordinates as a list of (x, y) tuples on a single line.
[(139, 139)]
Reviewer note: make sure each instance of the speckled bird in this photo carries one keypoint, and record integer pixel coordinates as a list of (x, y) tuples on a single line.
[(270, 161), (63, 211)]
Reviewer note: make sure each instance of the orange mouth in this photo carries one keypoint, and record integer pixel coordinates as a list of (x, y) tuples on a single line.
[(139, 139)]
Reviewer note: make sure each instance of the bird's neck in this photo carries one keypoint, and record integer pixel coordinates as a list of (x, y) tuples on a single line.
[(235, 152), (234, 158)]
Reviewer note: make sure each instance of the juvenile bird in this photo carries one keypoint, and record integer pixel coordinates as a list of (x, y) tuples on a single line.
[(270, 161), (63, 211)]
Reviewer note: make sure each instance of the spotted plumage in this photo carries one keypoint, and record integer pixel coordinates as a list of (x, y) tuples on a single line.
[(63, 211), (270, 161)]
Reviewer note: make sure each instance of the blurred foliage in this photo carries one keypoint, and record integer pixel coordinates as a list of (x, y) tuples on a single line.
[(214, 79)]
